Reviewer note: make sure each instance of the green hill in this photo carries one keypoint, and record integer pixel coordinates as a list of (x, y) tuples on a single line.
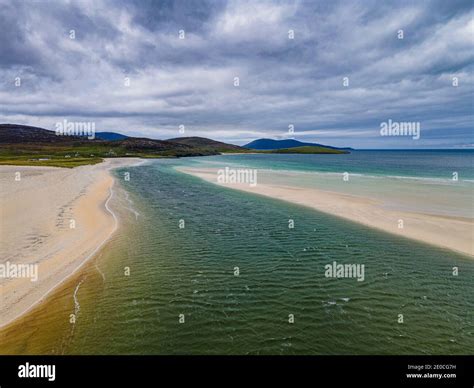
[(208, 144), (26, 145)]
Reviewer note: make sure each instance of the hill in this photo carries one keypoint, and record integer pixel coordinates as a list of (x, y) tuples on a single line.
[(110, 136), (24, 134), (270, 144), (208, 144), (27, 145)]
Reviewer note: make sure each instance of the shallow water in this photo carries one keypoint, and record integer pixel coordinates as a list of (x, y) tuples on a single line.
[(189, 274), (402, 164), (421, 181)]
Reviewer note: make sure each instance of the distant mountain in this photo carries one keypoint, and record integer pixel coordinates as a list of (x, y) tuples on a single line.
[(27, 145), (110, 136), (15, 133), (208, 144), (29, 134), (270, 144), (21, 144)]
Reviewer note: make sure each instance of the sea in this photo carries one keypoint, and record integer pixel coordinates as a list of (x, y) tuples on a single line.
[(201, 269)]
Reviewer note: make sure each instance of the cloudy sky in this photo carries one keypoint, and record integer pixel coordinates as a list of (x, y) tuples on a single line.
[(124, 66)]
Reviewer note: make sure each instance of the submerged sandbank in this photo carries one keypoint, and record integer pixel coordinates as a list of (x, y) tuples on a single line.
[(452, 232)]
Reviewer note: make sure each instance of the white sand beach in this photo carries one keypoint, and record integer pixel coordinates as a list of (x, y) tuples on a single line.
[(55, 219), (452, 232), (58, 219)]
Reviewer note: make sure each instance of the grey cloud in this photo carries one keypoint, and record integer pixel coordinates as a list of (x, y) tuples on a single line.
[(282, 81)]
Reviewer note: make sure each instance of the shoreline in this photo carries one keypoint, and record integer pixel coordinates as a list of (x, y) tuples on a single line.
[(58, 256), (448, 232)]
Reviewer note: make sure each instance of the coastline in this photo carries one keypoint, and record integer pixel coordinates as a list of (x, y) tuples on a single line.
[(449, 232), (58, 220), (107, 304)]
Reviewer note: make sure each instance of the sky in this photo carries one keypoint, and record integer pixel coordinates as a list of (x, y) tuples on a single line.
[(330, 72)]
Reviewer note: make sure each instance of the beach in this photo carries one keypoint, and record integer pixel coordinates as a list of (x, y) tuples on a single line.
[(451, 232), (53, 220), (228, 262)]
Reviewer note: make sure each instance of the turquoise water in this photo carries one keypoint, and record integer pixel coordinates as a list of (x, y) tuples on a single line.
[(430, 164), (191, 271), (419, 181), (183, 295)]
